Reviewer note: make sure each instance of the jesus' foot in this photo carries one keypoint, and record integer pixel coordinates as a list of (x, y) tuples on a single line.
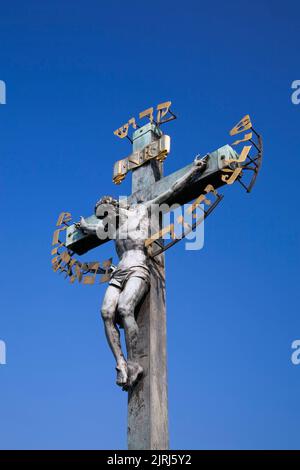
[(122, 375), (135, 372)]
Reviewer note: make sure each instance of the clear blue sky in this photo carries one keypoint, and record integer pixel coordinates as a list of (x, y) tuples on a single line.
[(74, 72)]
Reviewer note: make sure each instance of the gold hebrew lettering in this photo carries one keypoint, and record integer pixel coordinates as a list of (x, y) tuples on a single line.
[(54, 251), (197, 202), (210, 189), (65, 256), (92, 267), (73, 277), (132, 123), (55, 239), (122, 131), (180, 220), (64, 217), (106, 265), (70, 269), (202, 198), (242, 157), (162, 110), (147, 112), (169, 229), (160, 234), (56, 263), (234, 174), (247, 137), (243, 125), (78, 268)]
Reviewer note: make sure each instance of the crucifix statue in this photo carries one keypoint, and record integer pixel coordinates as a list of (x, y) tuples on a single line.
[(129, 282), (135, 296)]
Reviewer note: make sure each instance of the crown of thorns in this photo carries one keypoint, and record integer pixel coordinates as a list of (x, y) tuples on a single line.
[(106, 200)]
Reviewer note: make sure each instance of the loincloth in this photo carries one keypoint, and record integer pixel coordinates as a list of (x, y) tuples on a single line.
[(120, 276)]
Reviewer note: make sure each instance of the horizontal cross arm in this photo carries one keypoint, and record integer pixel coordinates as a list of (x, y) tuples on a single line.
[(80, 243)]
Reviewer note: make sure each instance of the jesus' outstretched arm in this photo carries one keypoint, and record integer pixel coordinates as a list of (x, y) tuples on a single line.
[(199, 165)]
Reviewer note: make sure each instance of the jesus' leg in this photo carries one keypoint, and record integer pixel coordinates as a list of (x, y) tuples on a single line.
[(108, 312), (133, 292)]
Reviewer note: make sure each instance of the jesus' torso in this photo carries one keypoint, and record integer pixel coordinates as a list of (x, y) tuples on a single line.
[(133, 230)]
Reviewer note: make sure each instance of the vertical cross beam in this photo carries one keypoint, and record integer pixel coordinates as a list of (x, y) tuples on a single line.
[(148, 401)]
